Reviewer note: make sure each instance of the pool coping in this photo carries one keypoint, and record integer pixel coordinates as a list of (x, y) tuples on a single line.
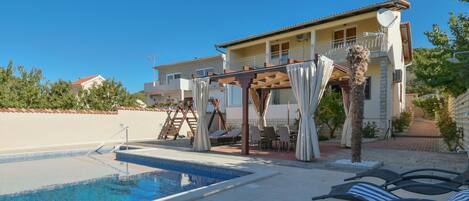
[(40, 155), (256, 174)]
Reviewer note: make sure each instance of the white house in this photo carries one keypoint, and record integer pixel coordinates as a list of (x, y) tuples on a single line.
[(390, 51), (88, 82)]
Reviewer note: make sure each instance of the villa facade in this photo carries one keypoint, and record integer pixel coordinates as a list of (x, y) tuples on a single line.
[(390, 51)]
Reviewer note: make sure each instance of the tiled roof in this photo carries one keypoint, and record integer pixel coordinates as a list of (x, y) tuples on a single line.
[(192, 60), (400, 4), (80, 111), (83, 80)]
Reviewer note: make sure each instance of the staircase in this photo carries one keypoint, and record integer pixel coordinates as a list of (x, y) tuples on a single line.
[(183, 113)]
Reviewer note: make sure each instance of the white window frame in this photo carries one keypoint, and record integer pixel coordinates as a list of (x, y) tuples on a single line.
[(345, 39), (172, 75), (204, 71), (280, 53)]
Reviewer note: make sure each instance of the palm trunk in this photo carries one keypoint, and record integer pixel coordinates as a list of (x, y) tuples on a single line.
[(358, 59)]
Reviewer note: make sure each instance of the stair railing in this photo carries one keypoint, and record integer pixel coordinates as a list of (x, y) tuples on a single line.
[(126, 141)]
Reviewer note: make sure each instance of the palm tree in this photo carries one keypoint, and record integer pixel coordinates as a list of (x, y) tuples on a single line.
[(357, 56)]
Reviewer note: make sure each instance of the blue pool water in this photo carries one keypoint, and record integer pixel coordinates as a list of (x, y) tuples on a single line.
[(145, 186), (168, 178)]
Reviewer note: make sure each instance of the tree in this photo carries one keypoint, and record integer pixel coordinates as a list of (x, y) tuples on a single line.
[(331, 111), (22, 91), (358, 57), (109, 95), (60, 95), (431, 66), (22, 88)]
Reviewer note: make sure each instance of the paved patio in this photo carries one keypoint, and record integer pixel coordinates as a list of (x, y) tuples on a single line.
[(291, 183)]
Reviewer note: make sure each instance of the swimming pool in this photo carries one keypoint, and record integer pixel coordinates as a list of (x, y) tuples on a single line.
[(165, 178)]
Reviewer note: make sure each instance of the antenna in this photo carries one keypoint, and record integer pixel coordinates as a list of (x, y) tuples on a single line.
[(152, 59), (385, 17)]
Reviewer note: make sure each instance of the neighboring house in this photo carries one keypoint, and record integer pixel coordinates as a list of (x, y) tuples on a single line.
[(174, 81), (87, 82), (330, 36)]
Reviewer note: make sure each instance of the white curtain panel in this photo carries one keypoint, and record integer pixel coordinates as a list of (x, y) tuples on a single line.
[(200, 92), (262, 120), (308, 83), (346, 139)]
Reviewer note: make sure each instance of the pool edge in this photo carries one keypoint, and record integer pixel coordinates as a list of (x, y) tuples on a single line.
[(206, 191)]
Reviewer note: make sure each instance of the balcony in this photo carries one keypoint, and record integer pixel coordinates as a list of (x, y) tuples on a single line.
[(176, 85), (156, 87), (275, 58), (336, 50)]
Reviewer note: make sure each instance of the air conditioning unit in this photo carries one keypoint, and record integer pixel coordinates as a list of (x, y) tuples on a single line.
[(397, 76), (301, 37)]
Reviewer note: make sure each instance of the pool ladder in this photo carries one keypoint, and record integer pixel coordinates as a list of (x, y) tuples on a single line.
[(117, 147)]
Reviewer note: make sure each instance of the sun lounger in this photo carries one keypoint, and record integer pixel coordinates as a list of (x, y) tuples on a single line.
[(393, 178), (364, 191), (230, 137), (217, 133)]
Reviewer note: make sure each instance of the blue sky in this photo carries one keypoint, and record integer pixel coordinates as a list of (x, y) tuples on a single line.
[(69, 39)]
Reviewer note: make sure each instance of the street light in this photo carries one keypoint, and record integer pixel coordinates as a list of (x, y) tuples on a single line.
[(454, 59)]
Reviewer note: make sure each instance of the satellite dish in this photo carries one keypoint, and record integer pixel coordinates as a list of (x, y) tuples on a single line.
[(385, 17)]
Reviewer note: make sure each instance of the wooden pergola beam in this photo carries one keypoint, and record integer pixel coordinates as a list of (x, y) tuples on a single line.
[(260, 80)]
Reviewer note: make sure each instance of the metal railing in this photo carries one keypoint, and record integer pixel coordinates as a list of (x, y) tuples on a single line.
[(274, 58), (176, 84), (125, 140), (337, 49)]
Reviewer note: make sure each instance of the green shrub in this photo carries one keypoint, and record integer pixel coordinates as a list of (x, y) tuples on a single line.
[(402, 122), (322, 138), (330, 111), (448, 128), (370, 129)]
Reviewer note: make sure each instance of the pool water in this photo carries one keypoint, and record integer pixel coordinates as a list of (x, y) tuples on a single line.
[(144, 186)]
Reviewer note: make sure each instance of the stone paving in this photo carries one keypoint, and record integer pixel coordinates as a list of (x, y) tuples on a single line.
[(423, 128)]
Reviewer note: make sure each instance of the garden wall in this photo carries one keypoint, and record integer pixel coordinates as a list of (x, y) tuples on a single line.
[(459, 108), (40, 128)]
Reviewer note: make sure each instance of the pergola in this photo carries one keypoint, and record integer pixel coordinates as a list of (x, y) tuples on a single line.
[(259, 81)]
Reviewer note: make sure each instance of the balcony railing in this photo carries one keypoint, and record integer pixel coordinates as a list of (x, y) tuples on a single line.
[(337, 50), (275, 58), (176, 84), (173, 85)]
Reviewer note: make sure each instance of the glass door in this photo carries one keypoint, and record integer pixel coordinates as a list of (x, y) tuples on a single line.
[(279, 53), (344, 37)]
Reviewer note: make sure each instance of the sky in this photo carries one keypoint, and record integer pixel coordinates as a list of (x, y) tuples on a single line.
[(69, 39)]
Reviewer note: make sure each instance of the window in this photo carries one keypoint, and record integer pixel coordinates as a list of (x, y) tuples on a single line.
[(344, 37), (368, 88), (234, 96), (275, 97), (172, 76), (204, 72), (279, 52)]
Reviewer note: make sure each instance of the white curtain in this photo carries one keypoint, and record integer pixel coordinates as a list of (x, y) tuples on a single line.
[(261, 121), (308, 83), (346, 140), (200, 93)]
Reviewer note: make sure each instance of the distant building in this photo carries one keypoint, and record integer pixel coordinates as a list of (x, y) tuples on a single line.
[(175, 80), (87, 82)]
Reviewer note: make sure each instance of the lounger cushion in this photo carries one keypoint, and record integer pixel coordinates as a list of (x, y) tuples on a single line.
[(461, 196), (371, 193), (217, 133)]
